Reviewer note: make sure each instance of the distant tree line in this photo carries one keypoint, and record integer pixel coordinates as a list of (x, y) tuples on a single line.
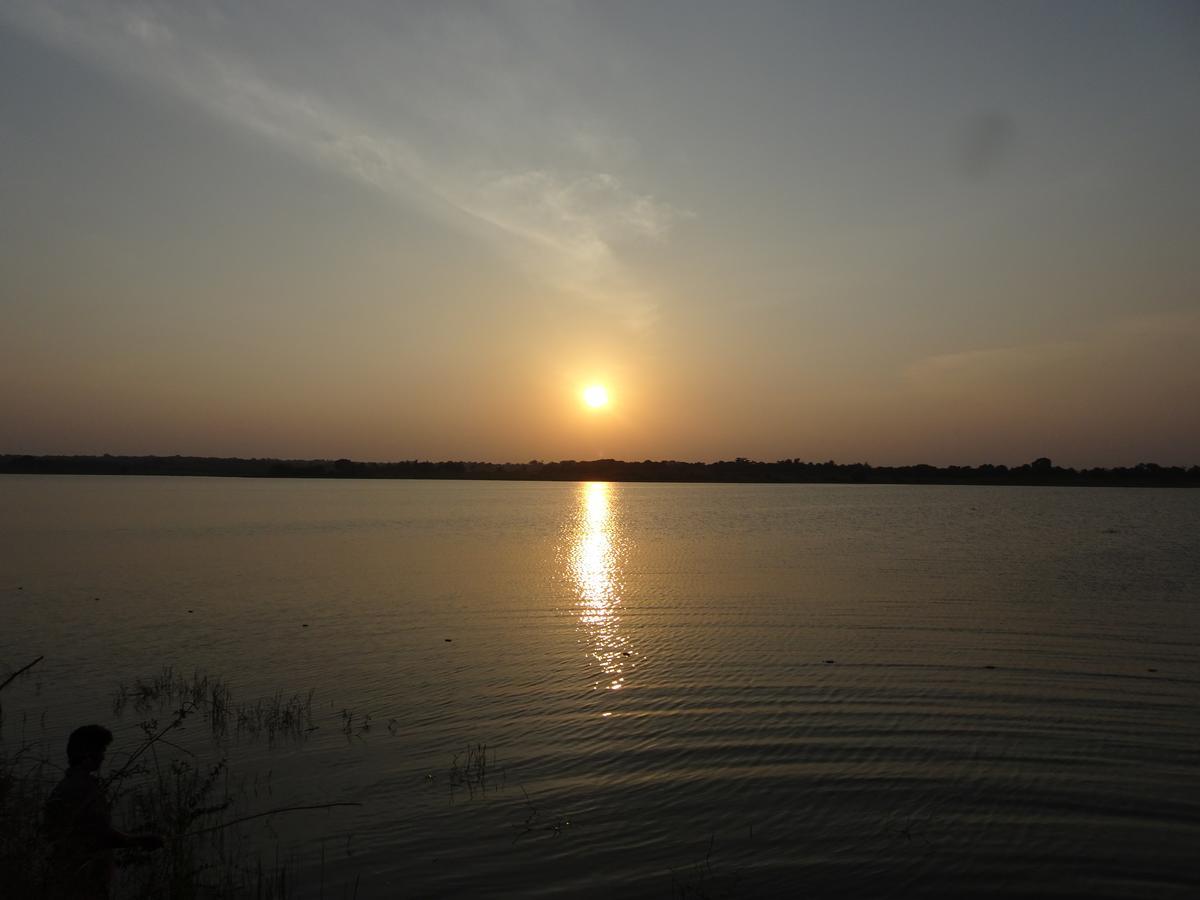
[(783, 471)]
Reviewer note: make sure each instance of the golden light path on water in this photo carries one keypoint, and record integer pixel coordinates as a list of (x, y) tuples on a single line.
[(595, 565)]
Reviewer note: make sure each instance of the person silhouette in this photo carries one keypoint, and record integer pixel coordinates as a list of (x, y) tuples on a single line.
[(78, 823)]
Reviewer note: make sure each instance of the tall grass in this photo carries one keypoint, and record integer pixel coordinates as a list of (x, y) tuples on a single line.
[(186, 794), (280, 716), (25, 779)]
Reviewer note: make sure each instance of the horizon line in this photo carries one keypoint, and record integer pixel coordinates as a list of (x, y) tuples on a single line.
[(1041, 462)]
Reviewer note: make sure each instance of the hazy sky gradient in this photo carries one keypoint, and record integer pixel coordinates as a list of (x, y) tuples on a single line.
[(939, 232)]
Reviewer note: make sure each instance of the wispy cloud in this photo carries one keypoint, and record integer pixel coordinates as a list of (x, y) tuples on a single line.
[(450, 142), (1158, 343), (583, 220)]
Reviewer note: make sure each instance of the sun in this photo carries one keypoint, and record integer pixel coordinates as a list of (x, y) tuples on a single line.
[(595, 396)]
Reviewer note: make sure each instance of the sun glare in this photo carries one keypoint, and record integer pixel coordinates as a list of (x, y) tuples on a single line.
[(595, 396)]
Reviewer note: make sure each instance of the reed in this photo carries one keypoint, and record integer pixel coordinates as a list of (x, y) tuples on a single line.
[(534, 822), (279, 716), (707, 879), (186, 794), (472, 768)]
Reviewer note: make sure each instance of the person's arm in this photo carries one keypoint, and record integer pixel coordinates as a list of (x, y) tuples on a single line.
[(110, 837)]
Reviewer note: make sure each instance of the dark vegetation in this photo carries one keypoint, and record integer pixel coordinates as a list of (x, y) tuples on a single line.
[(176, 782), (784, 471)]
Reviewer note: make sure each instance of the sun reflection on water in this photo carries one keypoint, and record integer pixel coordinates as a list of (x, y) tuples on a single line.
[(595, 566)]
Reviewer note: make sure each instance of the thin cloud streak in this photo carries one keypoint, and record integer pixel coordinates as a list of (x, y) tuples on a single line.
[(1158, 339)]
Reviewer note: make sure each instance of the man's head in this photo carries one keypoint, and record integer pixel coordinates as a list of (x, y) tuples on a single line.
[(86, 746)]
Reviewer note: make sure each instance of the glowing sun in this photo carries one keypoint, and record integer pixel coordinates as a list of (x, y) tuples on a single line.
[(595, 396)]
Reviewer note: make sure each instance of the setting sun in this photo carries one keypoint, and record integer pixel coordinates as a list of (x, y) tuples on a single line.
[(595, 396)]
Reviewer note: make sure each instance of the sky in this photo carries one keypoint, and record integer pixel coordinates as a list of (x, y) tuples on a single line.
[(893, 233)]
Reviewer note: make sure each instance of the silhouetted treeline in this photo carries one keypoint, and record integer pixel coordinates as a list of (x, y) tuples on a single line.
[(783, 471)]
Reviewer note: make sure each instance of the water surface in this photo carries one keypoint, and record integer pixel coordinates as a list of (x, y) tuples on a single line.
[(738, 690)]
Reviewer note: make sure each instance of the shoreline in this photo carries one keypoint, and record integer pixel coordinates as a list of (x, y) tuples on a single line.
[(1040, 473)]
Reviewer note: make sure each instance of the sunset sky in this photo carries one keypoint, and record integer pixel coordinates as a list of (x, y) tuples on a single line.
[(884, 232)]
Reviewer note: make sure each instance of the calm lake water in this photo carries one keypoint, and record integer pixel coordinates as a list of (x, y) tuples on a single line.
[(735, 690)]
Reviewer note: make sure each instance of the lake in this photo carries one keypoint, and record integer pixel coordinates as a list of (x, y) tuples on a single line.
[(684, 690)]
